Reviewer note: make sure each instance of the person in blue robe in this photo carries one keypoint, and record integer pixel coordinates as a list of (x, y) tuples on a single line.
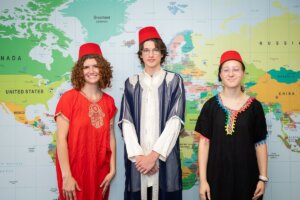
[(151, 118)]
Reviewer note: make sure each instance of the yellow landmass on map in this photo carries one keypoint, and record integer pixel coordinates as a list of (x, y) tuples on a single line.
[(19, 113), (230, 19), (270, 44), (26, 90), (186, 146), (271, 91), (19, 91), (195, 72)]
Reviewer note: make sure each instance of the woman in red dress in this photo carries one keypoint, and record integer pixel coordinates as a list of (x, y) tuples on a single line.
[(86, 145)]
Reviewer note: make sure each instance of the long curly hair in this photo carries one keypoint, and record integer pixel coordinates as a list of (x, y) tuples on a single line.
[(158, 44), (105, 72)]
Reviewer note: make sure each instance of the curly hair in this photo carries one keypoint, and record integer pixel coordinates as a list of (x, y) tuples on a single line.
[(158, 44), (105, 72)]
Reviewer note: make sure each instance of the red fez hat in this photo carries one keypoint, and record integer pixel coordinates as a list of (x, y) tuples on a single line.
[(147, 33), (89, 48), (230, 55)]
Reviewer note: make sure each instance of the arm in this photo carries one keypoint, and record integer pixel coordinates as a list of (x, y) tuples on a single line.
[(133, 148), (168, 138), (261, 150), (161, 149), (113, 148), (262, 161), (69, 183), (106, 182), (202, 159)]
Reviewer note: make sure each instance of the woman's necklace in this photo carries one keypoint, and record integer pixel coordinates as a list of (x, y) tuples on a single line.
[(231, 114), (95, 112)]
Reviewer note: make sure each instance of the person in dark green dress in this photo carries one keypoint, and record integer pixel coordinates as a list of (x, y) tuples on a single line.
[(232, 147)]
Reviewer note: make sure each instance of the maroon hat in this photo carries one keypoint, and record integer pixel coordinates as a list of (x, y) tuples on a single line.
[(147, 33), (230, 55), (89, 48)]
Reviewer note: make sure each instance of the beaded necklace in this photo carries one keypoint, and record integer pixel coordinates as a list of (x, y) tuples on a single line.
[(231, 115)]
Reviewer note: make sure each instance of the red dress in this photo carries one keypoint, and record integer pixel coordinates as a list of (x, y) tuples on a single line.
[(88, 142)]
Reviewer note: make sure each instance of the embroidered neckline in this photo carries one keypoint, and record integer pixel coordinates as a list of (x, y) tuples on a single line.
[(231, 115), (95, 112)]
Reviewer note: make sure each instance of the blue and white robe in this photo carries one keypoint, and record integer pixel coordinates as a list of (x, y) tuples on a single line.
[(164, 93)]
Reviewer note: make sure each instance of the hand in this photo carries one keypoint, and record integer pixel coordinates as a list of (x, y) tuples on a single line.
[(106, 182), (153, 170), (69, 187), (145, 163), (138, 158), (260, 190), (204, 190)]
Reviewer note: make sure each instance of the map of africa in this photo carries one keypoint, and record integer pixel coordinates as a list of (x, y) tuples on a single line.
[(38, 47)]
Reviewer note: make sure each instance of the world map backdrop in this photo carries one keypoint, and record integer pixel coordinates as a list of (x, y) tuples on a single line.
[(39, 42)]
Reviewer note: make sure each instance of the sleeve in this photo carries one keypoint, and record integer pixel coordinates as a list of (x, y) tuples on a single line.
[(132, 146), (64, 106), (203, 122), (113, 109), (168, 138), (261, 132)]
